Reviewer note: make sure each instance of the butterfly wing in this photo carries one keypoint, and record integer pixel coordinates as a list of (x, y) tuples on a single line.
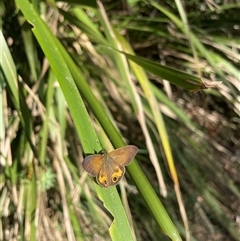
[(92, 164), (123, 155), (110, 174)]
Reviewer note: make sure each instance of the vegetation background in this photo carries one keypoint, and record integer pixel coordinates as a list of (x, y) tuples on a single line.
[(81, 76)]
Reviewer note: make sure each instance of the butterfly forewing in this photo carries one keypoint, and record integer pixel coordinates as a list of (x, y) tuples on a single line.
[(92, 164), (123, 155)]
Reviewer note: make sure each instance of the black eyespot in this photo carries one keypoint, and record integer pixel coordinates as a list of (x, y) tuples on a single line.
[(114, 179)]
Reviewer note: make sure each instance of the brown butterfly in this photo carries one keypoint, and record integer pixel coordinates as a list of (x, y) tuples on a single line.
[(109, 168)]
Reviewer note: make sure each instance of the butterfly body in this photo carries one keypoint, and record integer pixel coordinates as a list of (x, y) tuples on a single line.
[(109, 168)]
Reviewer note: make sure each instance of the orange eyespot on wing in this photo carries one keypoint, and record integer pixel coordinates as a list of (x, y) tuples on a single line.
[(92, 164), (123, 155), (102, 177), (117, 175)]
